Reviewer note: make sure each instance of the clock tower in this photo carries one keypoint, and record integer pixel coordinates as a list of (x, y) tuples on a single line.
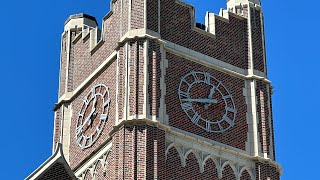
[(155, 95)]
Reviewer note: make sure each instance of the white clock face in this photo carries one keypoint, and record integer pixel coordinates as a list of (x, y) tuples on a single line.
[(207, 102), (92, 116)]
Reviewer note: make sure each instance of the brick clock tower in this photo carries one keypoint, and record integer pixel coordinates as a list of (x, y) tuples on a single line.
[(155, 95)]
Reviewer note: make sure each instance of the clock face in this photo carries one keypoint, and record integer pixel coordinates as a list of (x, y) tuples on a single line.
[(92, 116), (207, 102)]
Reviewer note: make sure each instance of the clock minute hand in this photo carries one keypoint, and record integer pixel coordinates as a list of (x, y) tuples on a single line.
[(88, 120), (207, 101)]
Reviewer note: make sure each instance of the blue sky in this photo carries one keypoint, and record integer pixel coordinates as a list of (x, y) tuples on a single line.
[(30, 35)]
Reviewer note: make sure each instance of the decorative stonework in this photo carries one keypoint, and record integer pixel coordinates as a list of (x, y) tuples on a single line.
[(220, 162), (92, 169)]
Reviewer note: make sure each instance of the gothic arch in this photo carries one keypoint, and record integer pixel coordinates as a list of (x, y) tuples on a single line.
[(95, 168), (196, 154), (178, 149), (215, 161), (87, 175), (246, 168), (233, 167)]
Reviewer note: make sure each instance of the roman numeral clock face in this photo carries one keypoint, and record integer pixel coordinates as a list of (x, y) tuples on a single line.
[(92, 116), (207, 102)]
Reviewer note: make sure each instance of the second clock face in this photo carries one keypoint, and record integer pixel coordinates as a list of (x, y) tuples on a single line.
[(92, 116), (207, 102)]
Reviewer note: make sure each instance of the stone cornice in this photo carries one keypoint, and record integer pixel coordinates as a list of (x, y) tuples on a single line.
[(170, 130)]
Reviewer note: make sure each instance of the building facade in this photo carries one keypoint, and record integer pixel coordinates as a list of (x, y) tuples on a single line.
[(155, 95)]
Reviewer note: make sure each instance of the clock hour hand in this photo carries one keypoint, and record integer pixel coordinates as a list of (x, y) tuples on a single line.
[(206, 101)]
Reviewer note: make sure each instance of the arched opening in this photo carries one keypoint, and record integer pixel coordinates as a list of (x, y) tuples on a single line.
[(245, 176), (87, 175), (210, 170), (228, 173), (173, 164), (192, 170), (98, 172)]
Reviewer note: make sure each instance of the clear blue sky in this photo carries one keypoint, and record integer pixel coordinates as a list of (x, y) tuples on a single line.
[(30, 43)]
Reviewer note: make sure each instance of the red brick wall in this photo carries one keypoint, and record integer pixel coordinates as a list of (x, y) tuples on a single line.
[(271, 128), (122, 66), (264, 171), (136, 77), (173, 160), (138, 152), (152, 15), (263, 113), (84, 62), (87, 176), (154, 71), (115, 169), (210, 171), (137, 14), (245, 176), (57, 128), (108, 77), (230, 44), (63, 66), (129, 159), (125, 16), (257, 43), (98, 171), (237, 135), (228, 173)]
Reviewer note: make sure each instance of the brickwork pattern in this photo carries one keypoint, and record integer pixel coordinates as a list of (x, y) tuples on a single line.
[(266, 172), (63, 66), (57, 171), (237, 135), (272, 127), (263, 114), (154, 71), (245, 176), (228, 173), (85, 62), (88, 175), (108, 77), (130, 152), (125, 17), (57, 128), (191, 170), (71, 70), (137, 14), (257, 43), (136, 77), (121, 80), (117, 158), (135, 153), (230, 44), (152, 15), (98, 172)]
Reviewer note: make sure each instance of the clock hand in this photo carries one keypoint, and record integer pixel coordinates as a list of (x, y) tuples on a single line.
[(212, 91), (88, 120), (92, 111), (207, 101)]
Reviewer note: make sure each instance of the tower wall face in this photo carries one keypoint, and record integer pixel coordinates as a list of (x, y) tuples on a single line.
[(156, 64), (236, 136)]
